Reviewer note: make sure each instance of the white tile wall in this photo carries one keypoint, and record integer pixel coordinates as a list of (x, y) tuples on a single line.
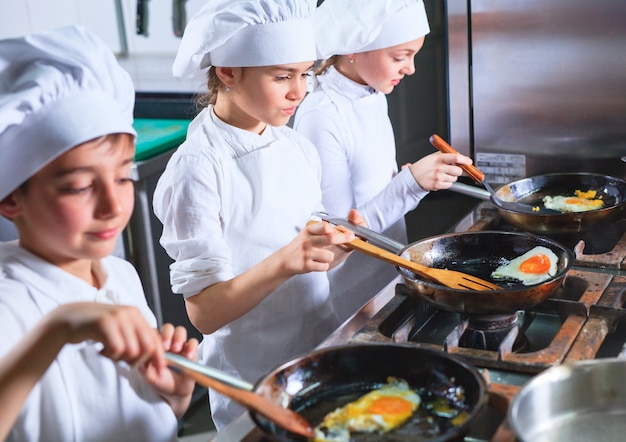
[(149, 57)]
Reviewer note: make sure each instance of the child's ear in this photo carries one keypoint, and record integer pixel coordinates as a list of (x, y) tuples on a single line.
[(9, 208), (228, 76)]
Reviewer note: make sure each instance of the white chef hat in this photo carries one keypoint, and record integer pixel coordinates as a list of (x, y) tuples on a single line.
[(239, 33), (57, 90), (353, 26)]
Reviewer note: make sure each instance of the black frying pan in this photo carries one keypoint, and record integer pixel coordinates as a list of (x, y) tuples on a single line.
[(325, 379), (479, 253), (531, 191)]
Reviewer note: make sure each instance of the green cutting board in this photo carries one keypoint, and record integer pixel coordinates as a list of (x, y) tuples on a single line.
[(155, 136)]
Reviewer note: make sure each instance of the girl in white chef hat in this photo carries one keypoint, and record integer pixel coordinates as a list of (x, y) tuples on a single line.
[(368, 46), (66, 149), (236, 196)]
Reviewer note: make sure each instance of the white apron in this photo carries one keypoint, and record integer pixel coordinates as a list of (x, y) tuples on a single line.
[(269, 194)]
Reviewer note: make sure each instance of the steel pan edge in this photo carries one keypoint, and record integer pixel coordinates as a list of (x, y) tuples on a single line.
[(578, 401)]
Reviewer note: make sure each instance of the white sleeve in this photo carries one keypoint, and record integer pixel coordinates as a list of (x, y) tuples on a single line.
[(187, 202), (332, 141), (400, 196)]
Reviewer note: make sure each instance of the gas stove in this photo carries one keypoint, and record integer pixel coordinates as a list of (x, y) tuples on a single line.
[(584, 319)]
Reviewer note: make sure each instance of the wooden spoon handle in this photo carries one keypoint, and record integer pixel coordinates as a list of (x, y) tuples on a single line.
[(443, 146), (284, 417)]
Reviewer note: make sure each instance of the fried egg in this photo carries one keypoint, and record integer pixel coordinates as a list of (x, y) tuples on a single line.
[(581, 202), (535, 266), (378, 411)]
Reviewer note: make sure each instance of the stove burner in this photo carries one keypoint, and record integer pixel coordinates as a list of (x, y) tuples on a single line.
[(489, 332)]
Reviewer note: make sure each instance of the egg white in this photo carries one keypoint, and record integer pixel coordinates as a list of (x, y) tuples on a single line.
[(364, 414), (571, 203), (511, 270)]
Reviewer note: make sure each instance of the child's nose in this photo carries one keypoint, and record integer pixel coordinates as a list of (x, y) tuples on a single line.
[(409, 68), (109, 203), (298, 90)]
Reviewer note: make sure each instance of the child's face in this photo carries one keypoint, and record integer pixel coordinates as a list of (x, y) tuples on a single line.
[(75, 207), (269, 94), (383, 69)]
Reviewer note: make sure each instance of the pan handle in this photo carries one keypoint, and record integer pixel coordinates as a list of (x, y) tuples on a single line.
[(181, 361), (442, 146), (474, 191), (371, 236)]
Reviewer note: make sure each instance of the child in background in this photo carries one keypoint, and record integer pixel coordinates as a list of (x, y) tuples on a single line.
[(236, 196), (66, 150), (368, 47)]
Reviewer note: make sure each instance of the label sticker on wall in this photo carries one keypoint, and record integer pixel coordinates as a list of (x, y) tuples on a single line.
[(501, 168)]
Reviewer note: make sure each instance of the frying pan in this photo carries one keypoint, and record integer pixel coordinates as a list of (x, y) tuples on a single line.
[(580, 401), (531, 191), (320, 381), (478, 254)]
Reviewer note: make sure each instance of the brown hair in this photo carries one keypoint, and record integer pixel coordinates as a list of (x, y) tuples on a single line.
[(214, 85), (324, 65)]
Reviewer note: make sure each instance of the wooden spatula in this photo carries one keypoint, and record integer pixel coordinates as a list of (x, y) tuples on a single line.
[(239, 391), (449, 278)]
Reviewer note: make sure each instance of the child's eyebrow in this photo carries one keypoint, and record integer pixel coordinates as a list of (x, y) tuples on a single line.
[(290, 69), (72, 170)]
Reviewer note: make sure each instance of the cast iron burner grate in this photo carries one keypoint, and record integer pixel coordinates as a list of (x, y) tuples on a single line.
[(528, 341)]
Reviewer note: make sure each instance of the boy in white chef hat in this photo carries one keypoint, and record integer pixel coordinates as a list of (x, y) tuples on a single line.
[(66, 149), (368, 46), (236, 196)]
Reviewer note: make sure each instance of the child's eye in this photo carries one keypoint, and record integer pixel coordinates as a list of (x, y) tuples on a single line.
[(125, 180), (74, 190), (284, 78)]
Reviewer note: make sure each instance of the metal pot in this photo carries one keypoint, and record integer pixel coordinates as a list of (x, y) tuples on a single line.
[(531, 191), (582, 401), (325, 379)]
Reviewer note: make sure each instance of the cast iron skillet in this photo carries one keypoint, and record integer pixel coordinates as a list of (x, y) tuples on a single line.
[(532, 190), (479, 253), (325, 379)]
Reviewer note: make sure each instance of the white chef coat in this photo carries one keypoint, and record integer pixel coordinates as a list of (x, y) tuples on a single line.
[(227, 199), (83, 396), (349, 125)]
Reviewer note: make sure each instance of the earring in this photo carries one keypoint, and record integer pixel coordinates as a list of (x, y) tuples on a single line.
[(351, 60), (226, 89)]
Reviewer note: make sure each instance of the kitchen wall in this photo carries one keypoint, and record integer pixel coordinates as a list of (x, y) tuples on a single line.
[(147, 57)]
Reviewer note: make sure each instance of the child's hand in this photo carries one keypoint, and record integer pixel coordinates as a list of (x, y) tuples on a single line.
[(438, 170), (123, 330), (176, 388), (320, 246), (310, 250)]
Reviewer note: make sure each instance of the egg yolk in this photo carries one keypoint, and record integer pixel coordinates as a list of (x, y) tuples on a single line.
[(390, 405), (574, 201), (536, 264), (590, 194)]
